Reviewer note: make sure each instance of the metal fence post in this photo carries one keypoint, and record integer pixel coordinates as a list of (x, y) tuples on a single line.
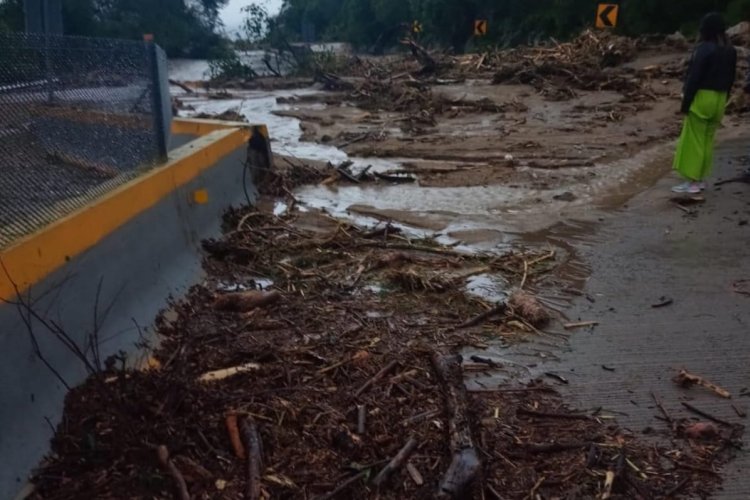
[(159, 107)]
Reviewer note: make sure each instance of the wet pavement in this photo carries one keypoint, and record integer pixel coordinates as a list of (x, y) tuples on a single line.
[(647, 250)]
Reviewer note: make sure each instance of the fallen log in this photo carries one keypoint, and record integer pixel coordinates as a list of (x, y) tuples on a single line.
[(251, 436), (246, 301), (465, 464), (184, 87)]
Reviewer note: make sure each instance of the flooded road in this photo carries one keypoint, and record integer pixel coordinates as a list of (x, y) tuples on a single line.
[(487, 215)]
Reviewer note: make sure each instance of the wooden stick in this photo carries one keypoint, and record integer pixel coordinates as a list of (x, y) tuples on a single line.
[(465, 464), (552, 447), (361, 418), (421, 416), (396, 462), (343, 486), (254, 459), (416, 476), (169, 466), (677, 488), (687, 379), (481, 318), (582, 324), (184, 87), (382, 373), (234, 436), (543, 414), (706, 415), (667, 416)]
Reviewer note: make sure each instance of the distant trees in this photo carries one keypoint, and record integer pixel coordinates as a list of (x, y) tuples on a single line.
[(181, 27), (190, 27), (370, 23)]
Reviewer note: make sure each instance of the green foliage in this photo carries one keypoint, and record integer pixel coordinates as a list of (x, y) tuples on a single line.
[(227, 65), (182, 28), (449, 23), (11, 15)]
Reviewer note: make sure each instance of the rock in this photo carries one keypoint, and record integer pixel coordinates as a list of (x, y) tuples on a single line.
[(566, 196), (701, 430), (677, 40), (739, 34)]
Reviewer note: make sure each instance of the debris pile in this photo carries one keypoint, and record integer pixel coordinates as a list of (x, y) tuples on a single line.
[(590, 62), (337, 378)]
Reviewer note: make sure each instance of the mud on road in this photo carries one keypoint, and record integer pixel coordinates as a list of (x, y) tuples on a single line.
[(317, 360)]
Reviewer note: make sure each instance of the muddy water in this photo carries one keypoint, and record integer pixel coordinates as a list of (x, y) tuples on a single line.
[(286, 133), (490, 218), (495, 209)]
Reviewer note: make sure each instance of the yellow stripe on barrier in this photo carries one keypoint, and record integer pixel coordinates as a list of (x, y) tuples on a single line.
[(196, 126), (35, 257)]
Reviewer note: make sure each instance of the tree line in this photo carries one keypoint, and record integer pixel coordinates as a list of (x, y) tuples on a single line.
[(192, 28), (379, 23), (183, 28)]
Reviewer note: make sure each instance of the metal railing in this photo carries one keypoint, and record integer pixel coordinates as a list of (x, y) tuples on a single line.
[(78, 117)]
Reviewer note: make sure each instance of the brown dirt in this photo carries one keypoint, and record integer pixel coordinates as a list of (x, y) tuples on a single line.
[(498, 118)]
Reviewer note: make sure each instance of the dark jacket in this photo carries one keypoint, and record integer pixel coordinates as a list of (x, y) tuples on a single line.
[(712, 67)]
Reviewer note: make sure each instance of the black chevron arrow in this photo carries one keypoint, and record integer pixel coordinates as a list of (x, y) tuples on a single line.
[(604, 16)]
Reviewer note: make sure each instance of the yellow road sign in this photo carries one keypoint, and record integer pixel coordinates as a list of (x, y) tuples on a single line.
[(480, 27), (416, 27), (606, 15)]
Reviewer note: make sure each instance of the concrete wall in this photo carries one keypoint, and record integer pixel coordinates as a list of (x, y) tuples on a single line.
[(139, 265)]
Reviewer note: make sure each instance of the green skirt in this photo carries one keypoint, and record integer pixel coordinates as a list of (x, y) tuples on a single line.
[(695, 149)]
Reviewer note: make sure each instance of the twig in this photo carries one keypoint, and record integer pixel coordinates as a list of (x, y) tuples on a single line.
[(582, 324), (687, 379), (677, 488), (382, 373), (169, 466), (481, 318), (704, 414), (525, 274), (184, 87), (537, 485), (552, 447), (544, 414), (343, 486), (254, 458), (420, 417), (396, 462), (663, 411), (693, 468), (361, 419)]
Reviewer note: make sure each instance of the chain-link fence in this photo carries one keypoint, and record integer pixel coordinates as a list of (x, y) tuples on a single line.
[(78, 116)]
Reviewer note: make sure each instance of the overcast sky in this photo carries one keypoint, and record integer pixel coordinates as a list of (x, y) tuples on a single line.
[(232, 13)]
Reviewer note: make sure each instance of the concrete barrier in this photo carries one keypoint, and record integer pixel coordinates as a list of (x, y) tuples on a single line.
[(109, 268)]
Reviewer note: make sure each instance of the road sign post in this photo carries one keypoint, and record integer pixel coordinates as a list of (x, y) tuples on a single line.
[(606, 15)]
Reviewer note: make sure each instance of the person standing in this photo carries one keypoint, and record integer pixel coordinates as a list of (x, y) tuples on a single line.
[(709, 81)]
